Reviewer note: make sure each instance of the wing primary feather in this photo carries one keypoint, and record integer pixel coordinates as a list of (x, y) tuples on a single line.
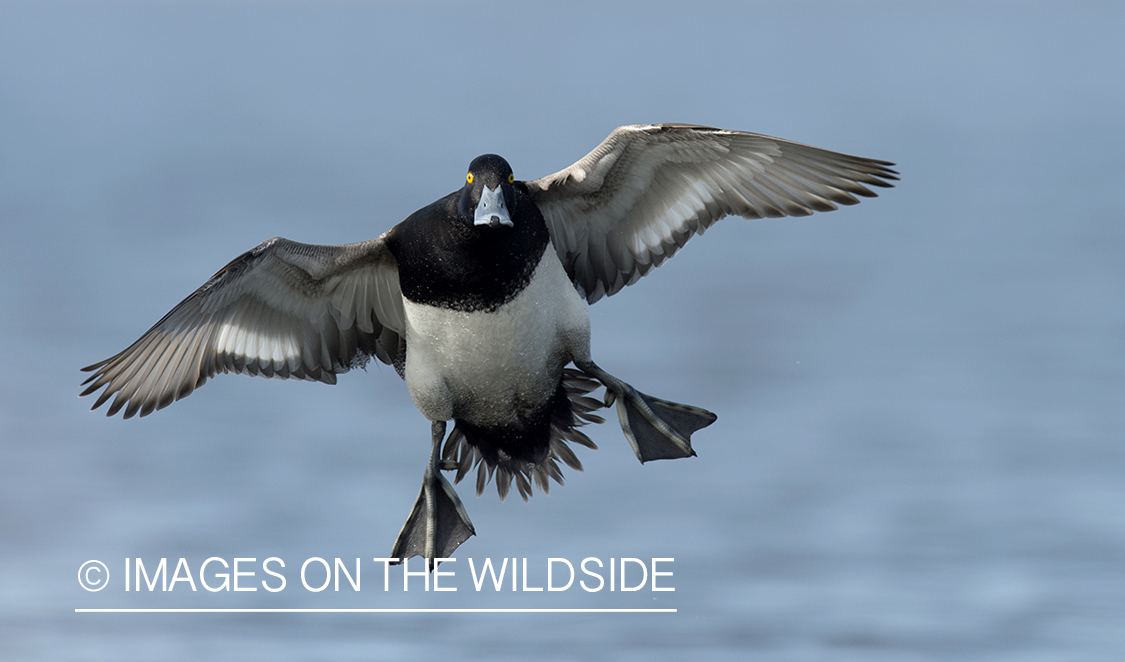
[(144, 399), (186, 375), (143, 363), (636, 198), (264, 313)]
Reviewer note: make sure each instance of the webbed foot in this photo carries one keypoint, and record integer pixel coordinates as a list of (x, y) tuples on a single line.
[(438, 524), (656, 429)]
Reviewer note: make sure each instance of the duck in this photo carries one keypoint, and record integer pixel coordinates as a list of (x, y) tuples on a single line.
[(479, 302)]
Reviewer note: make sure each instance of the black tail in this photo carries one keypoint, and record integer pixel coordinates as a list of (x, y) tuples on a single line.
[(529, 453)]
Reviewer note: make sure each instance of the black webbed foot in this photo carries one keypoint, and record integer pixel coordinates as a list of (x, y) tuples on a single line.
[(438, 524), (656, 429)]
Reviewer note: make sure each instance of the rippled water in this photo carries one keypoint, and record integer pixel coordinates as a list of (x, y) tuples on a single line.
[(919, 447)]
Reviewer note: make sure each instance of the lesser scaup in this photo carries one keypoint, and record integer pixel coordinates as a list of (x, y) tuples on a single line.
[(479, 302)]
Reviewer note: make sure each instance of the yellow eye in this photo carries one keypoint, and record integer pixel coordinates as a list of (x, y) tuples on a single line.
[(511, 178), (469, 178)]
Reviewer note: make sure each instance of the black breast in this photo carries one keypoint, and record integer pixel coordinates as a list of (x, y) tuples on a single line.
[(444, 262)]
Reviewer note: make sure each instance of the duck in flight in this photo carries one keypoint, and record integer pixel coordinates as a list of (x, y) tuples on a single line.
[(479, 302)]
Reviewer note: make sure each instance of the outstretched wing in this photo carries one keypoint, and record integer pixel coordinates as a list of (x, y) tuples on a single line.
[(283, 309), (635, 200)]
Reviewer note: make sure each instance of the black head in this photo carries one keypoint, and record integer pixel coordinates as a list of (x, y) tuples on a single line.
[(487, 199)]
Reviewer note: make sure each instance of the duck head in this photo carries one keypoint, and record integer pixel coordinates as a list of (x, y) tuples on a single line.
[(487, 196)]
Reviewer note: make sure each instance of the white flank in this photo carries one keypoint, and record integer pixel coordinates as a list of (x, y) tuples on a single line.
[(492, 368)]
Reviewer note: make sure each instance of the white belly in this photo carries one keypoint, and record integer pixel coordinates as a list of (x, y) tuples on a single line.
[(494, 368)]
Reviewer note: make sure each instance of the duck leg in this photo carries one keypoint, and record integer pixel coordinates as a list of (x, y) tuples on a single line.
[(438, 524), (656, 429)]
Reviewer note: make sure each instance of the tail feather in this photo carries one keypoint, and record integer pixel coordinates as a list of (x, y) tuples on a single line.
[(534, 461)]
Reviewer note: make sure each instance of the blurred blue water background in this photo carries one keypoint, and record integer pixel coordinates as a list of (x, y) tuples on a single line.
[(921, 399)]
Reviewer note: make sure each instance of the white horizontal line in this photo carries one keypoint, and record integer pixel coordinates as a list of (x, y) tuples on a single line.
[(388, 610)]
